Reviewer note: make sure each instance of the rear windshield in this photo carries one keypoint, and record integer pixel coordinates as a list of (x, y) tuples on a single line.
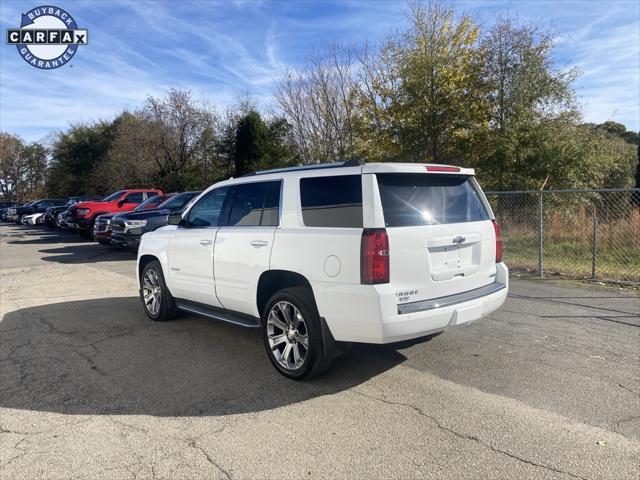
[(411, 199)]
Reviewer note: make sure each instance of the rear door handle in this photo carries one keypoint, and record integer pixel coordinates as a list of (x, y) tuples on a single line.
[(205, 242), (259, 243)]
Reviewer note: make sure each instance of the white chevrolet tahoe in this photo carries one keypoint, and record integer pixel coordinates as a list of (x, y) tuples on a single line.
[(321, 256)]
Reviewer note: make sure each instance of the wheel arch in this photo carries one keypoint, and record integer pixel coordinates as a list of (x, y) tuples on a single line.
[(271, 281), (143, 261)]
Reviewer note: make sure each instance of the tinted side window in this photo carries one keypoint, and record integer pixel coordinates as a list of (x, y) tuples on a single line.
[(136, 197), (249, 202), (272, 205), (206, 213), (332, 201)]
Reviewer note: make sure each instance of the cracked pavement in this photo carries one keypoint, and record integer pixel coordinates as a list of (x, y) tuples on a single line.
[(548, 387)]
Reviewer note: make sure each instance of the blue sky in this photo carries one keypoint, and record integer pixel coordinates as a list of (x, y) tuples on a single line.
[(221, 50)]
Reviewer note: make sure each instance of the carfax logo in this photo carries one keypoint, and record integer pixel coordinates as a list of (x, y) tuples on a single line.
[(48, 37)]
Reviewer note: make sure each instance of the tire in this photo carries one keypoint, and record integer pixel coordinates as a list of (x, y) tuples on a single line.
[(152, 276), (277, 340), (19, 220)]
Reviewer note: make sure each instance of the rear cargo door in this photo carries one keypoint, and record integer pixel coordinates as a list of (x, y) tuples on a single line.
[(441, 238)]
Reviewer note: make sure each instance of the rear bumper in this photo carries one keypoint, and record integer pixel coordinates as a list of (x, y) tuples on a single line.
[(371, 314)]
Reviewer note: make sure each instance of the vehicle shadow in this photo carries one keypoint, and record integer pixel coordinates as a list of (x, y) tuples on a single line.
[(87, 253), (44, 236), (103, 356)]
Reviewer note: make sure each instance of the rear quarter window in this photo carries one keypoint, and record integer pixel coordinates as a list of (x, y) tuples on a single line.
[(412, 199), (334, 201)]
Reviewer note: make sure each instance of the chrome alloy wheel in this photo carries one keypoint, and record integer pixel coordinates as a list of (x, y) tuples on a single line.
[(288, 335), (151, 291)]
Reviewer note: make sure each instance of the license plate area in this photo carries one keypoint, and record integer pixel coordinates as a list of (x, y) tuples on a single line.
[(450, 259)]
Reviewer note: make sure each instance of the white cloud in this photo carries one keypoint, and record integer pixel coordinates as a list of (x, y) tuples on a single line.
[(221, 50)]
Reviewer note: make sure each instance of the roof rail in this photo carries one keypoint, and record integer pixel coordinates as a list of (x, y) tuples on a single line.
[(317, 166)]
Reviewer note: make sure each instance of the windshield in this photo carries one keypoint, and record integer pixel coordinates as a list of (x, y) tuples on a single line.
[(178, 201), (113, 196), (411, 199), (152, 202)]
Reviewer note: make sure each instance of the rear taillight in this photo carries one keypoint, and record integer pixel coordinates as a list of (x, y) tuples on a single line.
[(374, 256), (496, 227)]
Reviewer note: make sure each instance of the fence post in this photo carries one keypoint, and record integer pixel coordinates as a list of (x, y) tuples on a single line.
[(540, 268), (594, 244)]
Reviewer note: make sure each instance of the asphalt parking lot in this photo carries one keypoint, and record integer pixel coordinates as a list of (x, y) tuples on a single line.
[(547, 387)]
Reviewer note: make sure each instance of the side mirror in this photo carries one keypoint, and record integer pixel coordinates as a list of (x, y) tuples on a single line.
[(121, 203), (175, 219)]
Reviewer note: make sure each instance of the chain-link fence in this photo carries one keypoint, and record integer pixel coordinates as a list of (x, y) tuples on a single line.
[(591, 234)]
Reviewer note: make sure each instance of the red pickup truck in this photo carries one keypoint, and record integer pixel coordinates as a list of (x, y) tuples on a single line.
[(83, 215)]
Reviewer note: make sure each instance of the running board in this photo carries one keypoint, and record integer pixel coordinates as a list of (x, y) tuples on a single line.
[(218, 314)]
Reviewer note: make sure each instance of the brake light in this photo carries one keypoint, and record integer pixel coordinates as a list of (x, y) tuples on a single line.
[(496, 228), (442, 169), (374, 256)]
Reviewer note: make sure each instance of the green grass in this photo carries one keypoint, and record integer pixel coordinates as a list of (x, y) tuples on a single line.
[(573, 257)]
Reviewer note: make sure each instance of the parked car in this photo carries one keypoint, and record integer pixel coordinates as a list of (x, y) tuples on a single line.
[(4, 207), (102, 227), (52, 214), (33, 219), (321, 256), (60, 221), (38, 206), (127, 228), (82, 215), (9, 214)]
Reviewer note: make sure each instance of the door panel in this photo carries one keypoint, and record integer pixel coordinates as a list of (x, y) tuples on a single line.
[(191, 265), (243, 247), (191, 249), (241, 255)]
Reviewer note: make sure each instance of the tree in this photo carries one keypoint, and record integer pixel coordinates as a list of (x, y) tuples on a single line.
[(177, 124), (280, 148), (75, 158), (250, 143), (626, 156), (22, 168), (420, 94), (526, 94), (11, 165), (35, 158), (317, 103), (130, 159)]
